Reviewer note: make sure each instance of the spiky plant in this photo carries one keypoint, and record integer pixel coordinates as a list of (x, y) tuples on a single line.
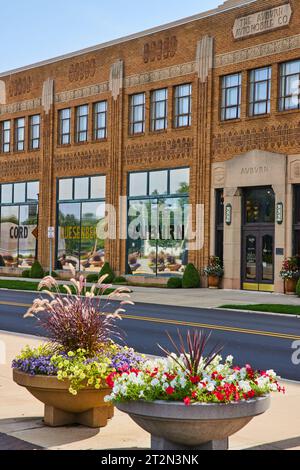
[(78, 321), (192, 351)]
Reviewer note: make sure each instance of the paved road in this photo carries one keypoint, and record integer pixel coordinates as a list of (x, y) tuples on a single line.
[(264, 341)]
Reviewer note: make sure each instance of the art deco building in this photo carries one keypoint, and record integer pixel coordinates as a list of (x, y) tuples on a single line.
[(203, 111)]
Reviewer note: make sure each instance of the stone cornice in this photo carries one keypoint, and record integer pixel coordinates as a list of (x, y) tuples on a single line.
[(255, 52)]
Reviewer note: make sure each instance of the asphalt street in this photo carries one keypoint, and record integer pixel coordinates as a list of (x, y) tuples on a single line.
[(264, 341)]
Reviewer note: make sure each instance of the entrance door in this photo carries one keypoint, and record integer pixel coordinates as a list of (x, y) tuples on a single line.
[(258, 239), (258, 262)]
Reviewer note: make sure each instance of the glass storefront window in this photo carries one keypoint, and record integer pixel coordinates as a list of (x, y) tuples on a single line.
[(18, 220), (179, 181), (81, 235), (98, 187), (81, 188), (66, 189), (158, 182), (157, 224), (6, 193), (19, 192), (138, 184)]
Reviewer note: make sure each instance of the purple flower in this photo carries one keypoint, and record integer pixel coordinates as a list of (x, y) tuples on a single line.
[(35, 366)]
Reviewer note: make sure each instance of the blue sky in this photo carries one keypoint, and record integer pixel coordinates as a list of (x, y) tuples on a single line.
[(36, 30)]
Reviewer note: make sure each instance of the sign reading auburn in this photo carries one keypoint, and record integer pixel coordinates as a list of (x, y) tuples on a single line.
[(262, 21)]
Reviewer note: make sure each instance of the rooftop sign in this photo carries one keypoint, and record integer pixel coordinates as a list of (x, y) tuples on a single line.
[(262, 21)]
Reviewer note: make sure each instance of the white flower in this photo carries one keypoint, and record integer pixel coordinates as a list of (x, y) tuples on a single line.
[(271, 373), (109, 398), (155, 382), (182, 382), (173, 384), (243, 373), (245, 386), (141, 395), (210, 387), (273, 388), (229, 359)]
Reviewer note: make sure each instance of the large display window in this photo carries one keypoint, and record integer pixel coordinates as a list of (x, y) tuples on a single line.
[(18, 224), (157, 222), (81, 219)]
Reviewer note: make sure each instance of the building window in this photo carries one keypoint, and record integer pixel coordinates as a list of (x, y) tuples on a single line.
[(157, 221), (65, 126), (35, 132), (137, 114), (20, 135), (100, 120), (219, 242), (231, 97), (82, 119), (5, 130), (183, 106), (289, 86), (260, 91), (18, 221), (159, 110), (81, 221)]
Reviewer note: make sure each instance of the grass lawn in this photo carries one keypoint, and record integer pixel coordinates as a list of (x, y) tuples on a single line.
[(272, 308), (33, 286)]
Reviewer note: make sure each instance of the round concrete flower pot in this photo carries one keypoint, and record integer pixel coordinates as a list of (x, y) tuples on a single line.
[(174, 426), (61, 408)]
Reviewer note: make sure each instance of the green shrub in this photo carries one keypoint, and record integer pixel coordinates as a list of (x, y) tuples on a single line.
[(36, 271), (120, 280), (174, 283), (26, 273), (2, 262), (106, 269), (191, 277), (92, 278), (298, 288)]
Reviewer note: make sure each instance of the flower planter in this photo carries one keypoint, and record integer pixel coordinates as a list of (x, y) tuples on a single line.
[(61, 408), (290, 286), (213, 282), (174, 426)]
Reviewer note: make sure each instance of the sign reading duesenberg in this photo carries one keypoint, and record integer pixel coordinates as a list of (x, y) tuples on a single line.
[(262, 21)]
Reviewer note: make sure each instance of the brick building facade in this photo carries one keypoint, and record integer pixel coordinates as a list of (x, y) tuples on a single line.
[(210, 102)]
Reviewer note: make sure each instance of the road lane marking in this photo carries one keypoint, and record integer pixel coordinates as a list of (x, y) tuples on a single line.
[(191, 324)]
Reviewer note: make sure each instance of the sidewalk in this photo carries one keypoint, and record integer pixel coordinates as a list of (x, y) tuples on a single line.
[(208, 298), (21, 425)]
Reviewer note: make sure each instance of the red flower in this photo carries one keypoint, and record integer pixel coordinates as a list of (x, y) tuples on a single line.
[(170, 391), (195, 380), (220, 396), (110, 379), (170, 376), (194, 395), (251, 394), (187, 401)]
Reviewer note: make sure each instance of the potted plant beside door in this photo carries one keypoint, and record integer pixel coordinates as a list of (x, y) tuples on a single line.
[(290, 274), (214, 272)]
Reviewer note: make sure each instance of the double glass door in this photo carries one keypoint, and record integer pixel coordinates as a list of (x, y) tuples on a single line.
[(258, 263)]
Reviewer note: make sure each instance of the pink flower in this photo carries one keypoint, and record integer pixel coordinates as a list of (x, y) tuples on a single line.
[(187, 401)]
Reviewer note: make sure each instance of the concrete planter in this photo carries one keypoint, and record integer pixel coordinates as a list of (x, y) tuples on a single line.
[(174, 426), (61, 408), (290, 286), (213, 282)]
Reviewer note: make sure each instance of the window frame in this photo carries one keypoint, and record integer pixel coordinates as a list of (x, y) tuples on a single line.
[(61, 120), (31, 129), (224, 107), (78, 130), (176, 103), (96, 114), (3, 131), (252, 88), (132, 108), (153, 110), (283, 79), (18, 128)]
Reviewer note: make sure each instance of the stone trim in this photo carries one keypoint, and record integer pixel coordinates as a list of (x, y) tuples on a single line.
[(261, 50), (28, 105), (160, 74)]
